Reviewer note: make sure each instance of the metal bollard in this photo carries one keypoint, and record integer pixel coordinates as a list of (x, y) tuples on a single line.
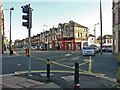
[(48, 70), (76, 76)]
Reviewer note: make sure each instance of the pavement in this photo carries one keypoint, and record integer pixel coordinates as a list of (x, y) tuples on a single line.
[(58, 80)]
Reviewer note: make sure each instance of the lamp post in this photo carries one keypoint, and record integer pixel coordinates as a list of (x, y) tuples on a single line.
[(101, 25), (95, 32), (4, 28), (10, 28)]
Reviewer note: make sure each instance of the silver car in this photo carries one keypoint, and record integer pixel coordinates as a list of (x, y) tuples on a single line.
[(88, 51)]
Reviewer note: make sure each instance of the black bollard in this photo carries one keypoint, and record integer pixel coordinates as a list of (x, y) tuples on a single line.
[(48, 70), (76, 76)]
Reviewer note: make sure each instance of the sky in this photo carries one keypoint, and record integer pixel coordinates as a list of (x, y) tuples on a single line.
[(53, 12)]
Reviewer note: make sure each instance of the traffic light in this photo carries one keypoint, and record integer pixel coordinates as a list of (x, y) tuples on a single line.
[(28, 52), (28, 11)]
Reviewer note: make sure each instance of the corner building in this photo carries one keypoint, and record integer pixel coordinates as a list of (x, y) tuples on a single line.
[(116, 26), (73, 36)]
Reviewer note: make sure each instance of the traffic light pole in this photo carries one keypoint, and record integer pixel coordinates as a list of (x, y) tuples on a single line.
[(29, 47), (28, 10)]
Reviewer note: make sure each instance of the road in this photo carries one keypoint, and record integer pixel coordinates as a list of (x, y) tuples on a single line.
[(61, 61)]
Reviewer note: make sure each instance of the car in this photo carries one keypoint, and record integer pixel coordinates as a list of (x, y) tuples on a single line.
[(104, 49), (32, 48), (42, 48), (88, 51), (24, 47), (97, 49), (110, 49)]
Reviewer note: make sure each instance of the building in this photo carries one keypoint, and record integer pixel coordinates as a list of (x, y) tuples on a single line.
[(68, 36), (74, 36), (52, 38), (107, 40), (0, 28), (116, 26), (16, 43), (91, 40), (46, 36)]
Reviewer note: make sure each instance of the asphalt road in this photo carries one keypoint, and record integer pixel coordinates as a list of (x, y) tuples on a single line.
[(61, 61)]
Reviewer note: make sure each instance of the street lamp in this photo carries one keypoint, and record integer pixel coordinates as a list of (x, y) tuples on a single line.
[(11, 9), (10, 27), (95, 32)]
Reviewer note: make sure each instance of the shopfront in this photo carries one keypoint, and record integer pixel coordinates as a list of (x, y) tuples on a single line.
[(69, 45)]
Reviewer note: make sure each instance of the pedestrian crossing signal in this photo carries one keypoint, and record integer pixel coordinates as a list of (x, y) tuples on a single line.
[(27, 52)]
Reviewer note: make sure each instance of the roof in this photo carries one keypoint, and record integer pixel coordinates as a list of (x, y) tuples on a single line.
[(90, 35), (74, 24), (107, 36)]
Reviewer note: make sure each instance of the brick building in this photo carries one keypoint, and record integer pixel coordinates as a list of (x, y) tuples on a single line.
[(116, 26)]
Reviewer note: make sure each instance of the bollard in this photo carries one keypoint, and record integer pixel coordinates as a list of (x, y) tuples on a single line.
[(118, 80), (76, 76), (48, 70)]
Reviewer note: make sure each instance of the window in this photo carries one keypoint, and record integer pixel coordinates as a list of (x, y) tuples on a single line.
[(81, 35), (107, 41), (76, 35)]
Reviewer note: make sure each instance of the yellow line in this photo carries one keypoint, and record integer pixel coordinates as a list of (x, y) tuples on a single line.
[(83, 71), (62, 65), (62, 59), (83, 63), (61, 71)]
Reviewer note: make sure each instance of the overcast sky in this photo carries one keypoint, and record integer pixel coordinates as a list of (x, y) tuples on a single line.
[(84, 12)]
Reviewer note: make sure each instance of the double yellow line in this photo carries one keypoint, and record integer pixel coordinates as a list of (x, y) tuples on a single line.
[(81, 71)]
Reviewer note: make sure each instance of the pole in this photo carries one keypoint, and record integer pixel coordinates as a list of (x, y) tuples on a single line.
[(94, 34), (48, 70), (3, 33), (29, 47), (76, 76), (10, 32), (101, 24)]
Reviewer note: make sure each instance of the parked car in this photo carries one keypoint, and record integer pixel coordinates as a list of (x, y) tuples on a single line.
[(97, 49), (88, 51), (32, 48), (104, 49), (110, 49), (24, 47), (42, 48)]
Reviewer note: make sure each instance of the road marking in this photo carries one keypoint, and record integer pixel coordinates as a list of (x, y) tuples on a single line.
[(7, 74), (83, 63), (68, 55), (87, 72)]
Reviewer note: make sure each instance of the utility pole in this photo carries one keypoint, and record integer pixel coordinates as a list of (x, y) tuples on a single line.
[(27, 9), (101, 25)]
